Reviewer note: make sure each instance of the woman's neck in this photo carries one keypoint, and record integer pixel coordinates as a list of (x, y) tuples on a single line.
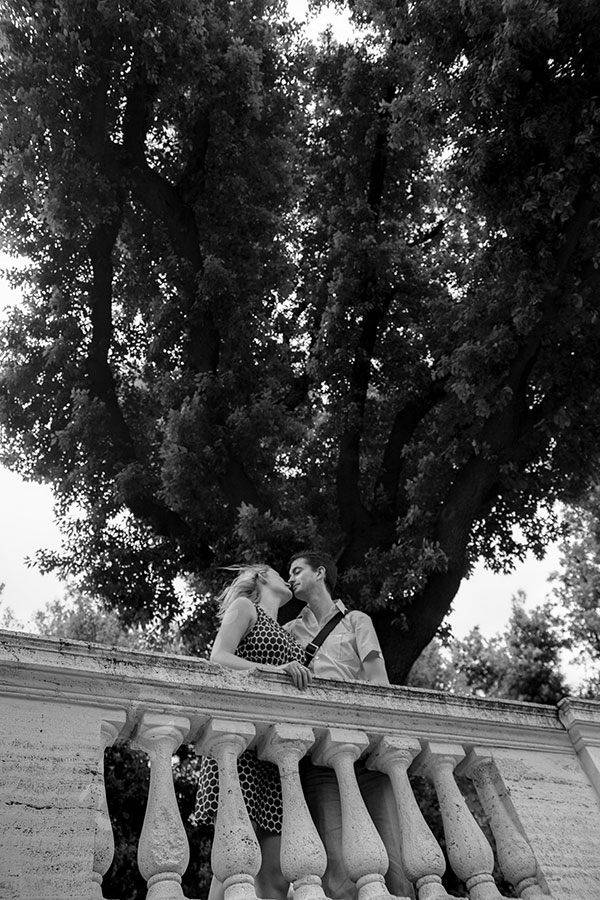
[(270, 603)]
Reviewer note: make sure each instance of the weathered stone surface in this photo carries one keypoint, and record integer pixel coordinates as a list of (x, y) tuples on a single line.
[(558, 810), (196, 688), (54, 696), (50, 766)]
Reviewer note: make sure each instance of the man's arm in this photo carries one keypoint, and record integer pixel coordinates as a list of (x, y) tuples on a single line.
[(374, 668), (368, 648)]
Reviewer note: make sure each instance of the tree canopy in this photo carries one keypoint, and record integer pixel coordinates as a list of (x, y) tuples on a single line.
[(577, 587), (280, 294)]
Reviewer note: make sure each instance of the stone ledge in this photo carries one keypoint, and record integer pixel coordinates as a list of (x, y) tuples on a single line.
[(137, 681)]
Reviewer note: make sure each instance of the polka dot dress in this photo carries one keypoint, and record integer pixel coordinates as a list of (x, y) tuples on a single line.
[(266, 642)]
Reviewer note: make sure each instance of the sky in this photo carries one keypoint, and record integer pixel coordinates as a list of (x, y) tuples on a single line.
[(26, 525)]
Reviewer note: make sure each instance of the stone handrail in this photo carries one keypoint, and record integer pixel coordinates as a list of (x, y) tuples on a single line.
[(536, 770)]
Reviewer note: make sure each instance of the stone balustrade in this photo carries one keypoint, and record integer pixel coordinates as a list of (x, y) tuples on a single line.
[(536, 770)]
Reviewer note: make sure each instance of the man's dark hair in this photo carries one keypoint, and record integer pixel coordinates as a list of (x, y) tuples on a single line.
[(315, 559)]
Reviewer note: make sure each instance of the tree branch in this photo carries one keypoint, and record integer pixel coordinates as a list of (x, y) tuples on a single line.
[(401, 433), (100, 376), (165, 201), (583, 208), (430, 235), (351, 508), (103, 387), (193, 177), (350, 505), (380, 159)]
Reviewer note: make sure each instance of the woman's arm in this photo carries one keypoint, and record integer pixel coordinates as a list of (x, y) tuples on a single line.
[(236, 623)]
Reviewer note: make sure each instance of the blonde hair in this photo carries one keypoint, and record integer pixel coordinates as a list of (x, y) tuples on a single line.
[(244, 585)]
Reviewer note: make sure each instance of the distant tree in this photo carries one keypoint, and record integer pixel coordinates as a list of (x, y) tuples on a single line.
[(434, 669), (8, 619), (577, 585), (521, 663), (81, 618), (279, 292), (524, 663)]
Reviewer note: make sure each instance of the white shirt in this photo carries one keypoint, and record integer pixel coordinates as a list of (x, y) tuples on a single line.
[(343, 651)]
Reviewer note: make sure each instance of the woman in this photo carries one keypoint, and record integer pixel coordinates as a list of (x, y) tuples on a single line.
[(249, 638)]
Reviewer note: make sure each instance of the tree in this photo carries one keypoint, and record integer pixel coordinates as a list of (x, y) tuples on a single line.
[(7, 616), (81, 617), (521, 663), (577, 586), (281, 293), (525, 663)]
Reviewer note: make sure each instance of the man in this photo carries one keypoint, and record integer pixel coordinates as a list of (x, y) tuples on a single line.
[(350, 652)]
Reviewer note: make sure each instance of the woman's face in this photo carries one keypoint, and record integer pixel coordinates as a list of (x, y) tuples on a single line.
[(280, 587)]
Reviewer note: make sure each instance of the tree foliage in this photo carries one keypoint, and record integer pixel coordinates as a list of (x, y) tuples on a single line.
[(281, 293), (7, 616), (577, 586), (82, 617), (521, 663)]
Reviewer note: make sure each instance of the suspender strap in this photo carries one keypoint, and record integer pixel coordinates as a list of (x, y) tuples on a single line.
[(311, 648)]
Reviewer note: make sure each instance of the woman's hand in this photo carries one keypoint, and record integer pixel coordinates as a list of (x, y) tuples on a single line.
[(300, 675)]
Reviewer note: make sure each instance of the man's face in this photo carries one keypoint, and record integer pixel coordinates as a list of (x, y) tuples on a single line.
[(302, 579)]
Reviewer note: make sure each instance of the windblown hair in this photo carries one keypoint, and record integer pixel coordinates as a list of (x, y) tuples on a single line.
[(245, 584)]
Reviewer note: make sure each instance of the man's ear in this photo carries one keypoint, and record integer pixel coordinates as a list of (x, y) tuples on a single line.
[(321, 571)]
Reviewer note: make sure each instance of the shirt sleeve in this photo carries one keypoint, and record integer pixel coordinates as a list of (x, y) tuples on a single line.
[(364, 631)]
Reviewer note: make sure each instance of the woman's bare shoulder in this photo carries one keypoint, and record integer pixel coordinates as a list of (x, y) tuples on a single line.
[(241, 608)]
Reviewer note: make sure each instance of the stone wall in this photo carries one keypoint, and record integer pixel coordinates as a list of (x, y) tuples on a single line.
[(61, 703)]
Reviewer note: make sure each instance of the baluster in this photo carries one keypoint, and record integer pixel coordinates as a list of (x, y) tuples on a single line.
[(515, 856), (422, 857), (468, 849), (236, 856), (303, 858), (104, 842), (363, 852), (163, 850)]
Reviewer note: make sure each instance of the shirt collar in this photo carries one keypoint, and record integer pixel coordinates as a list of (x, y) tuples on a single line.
[(308, 614)]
